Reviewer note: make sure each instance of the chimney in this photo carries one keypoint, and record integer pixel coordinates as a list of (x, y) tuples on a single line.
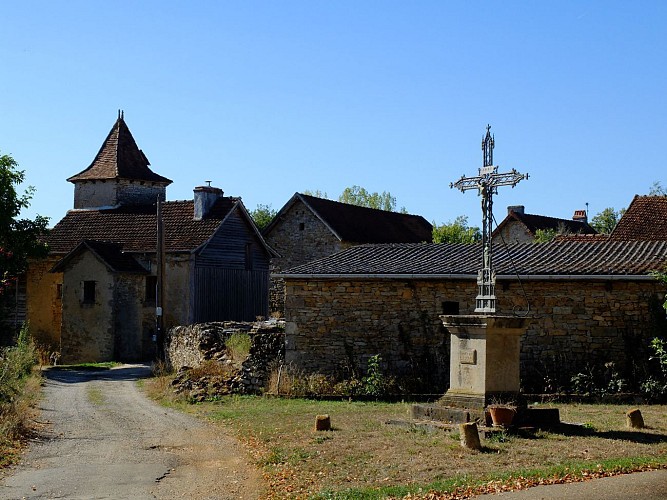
[(580, 216), (517, 209), (205, 198)]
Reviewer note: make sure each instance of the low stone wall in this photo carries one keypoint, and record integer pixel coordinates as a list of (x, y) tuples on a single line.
[(573, 326), (190, 346)]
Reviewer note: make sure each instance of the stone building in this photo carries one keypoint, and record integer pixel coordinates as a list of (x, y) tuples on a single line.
[(98, 295), (309, 228), (588, 303), (520, 227)]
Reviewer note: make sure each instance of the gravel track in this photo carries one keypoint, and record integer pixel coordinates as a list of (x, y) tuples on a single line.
[(102, 438)]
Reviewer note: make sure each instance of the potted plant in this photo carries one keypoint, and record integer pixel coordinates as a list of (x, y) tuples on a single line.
[(502, 414)]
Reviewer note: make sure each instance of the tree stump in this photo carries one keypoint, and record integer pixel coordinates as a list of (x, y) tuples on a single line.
[(322, 423), (470, 436), (634, 419)]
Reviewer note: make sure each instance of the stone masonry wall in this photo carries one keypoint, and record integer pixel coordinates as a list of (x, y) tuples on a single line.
[(299, 237), (333, 325), (190, 346)]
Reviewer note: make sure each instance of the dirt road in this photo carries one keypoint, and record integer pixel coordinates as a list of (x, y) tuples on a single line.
[(103, 439)]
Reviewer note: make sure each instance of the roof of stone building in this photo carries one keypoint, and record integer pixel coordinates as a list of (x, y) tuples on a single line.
[(567, 258), (135, 227), (355, 224), (645, 219), (119, 158), (110, 254), (534, 222)]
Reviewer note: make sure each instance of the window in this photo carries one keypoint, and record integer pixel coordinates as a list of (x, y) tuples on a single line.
[(151, 289), (88, 292), (59, 290), (302, 226), (450, 307)]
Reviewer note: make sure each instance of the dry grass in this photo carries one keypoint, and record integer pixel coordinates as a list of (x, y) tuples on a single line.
[(365, 454)]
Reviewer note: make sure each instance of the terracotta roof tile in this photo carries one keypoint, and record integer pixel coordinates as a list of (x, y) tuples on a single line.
[(570, 258), (119, 158), (135, 226), (645, 219), (111, 254)]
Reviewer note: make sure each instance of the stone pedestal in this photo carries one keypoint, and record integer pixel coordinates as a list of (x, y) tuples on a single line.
[(484, 360)]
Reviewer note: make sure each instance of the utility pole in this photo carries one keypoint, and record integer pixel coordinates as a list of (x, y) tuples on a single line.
[(159, 292), (487, 182)]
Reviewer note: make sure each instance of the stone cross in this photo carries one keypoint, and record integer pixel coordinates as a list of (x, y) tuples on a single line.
[(487, 183)]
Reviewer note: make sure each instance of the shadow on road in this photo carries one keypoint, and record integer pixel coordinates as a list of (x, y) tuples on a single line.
[(75, 376)]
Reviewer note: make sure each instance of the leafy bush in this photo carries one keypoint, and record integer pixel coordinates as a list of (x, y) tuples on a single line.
[(15, 366), (655, 386)]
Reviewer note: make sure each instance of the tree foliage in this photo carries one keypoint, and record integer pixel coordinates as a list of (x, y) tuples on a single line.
[(263, 215), (456, 232), (357, 195), (19, 238), (606, 221), (657, 189)]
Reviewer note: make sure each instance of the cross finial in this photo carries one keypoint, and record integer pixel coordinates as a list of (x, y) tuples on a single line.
[(488, 143)]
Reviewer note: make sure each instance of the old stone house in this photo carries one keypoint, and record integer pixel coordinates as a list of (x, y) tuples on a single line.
[(520, 227), (98, 295), (588, 303), (308, 228)]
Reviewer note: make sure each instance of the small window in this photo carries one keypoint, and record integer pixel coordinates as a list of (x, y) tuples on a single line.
[(302, 226), (59, 290), (450, 307), (151, 289), (88, 292)]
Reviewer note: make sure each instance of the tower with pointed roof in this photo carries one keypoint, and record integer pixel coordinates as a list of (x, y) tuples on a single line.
[(119, 174)]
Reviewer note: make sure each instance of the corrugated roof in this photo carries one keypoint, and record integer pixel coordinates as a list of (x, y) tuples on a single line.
[(572, 258), (645, 219), (119, 158), (135, 227), (355, 224)]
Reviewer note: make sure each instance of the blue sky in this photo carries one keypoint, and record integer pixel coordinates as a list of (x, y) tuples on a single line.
[(267, 98)]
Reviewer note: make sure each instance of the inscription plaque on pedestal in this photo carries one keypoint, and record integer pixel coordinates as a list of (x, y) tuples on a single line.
[(468, 356)]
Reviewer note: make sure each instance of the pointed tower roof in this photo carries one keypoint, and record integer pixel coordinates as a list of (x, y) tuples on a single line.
[(119, 158)]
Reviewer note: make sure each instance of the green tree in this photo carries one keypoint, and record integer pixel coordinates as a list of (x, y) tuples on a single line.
[(606, 221), (356, 195), (657, 190), (545, 235), (317, 194), (263, 215), (19, 238), (456, 232)]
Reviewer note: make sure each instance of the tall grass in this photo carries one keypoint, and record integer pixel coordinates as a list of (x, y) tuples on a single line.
[(16, 365)]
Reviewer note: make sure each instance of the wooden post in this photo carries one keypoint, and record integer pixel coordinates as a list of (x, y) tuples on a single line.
[(634, 419), (470, 436)]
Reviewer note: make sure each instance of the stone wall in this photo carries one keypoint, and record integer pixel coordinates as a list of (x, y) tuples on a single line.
[(43, 307), (298, 237), (334, 326), (515, 232), (190, 346)]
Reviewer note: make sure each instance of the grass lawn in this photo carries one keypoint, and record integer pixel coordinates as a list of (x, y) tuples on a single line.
[(364, 457)]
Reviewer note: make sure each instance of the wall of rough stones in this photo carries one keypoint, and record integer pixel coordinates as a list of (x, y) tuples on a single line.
[(334, 325), (190, 346), (298, 237)]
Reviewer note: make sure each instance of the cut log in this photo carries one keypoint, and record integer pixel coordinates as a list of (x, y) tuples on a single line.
[(323, 423), (634, 419), (470, 436)]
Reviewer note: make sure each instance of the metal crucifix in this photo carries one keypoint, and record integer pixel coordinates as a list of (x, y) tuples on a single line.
[(487, 183)]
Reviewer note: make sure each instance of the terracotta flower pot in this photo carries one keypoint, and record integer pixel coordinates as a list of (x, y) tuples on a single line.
[(502, 416)]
